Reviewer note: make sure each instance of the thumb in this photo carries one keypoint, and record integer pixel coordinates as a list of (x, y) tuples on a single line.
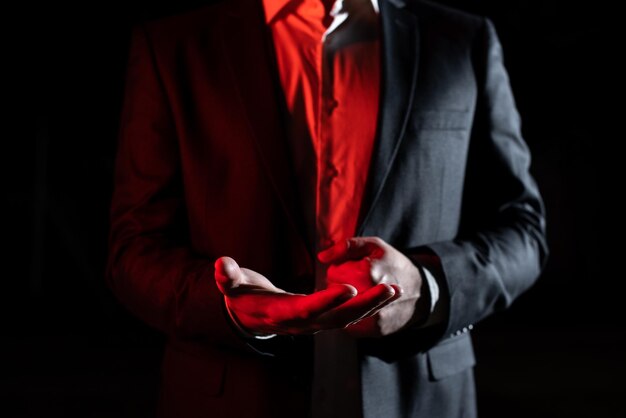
[(228, 275), (335, 253), (354, 248)]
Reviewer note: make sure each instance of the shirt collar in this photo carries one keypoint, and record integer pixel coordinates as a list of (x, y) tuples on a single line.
[(272, 7)]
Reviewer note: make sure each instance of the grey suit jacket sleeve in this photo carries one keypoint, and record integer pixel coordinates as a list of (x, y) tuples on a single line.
[(501, 247)]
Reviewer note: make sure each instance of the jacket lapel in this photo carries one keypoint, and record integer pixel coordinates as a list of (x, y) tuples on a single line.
[(400, 60), (248, 46)]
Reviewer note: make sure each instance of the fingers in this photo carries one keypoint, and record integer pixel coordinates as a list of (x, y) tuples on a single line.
[(228, 275), (398, 294), (350, 249), (359, 307), (261, 307), (399, 291)]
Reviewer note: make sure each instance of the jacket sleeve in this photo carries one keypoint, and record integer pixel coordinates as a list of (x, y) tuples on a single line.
[(501, 247), (151, 267)]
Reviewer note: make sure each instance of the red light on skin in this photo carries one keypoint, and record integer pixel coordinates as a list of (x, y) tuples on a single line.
[(356, 273), (351, 262), (258, 307)]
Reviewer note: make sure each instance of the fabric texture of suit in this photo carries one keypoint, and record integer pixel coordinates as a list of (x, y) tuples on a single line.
[(203, 170)]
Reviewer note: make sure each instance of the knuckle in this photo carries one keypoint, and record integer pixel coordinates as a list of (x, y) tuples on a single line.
[(375, 273), (378, 240)]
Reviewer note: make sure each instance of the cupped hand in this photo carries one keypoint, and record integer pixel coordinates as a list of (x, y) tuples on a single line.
[(367, 262), (261, 308)]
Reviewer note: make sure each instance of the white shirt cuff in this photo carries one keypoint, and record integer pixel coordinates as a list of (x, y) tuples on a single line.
[(433, 288)]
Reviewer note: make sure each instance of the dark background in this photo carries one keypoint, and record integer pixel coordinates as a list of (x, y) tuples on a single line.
[(68, 349)]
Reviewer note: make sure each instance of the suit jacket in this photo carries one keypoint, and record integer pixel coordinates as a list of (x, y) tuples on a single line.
[(203, 170)]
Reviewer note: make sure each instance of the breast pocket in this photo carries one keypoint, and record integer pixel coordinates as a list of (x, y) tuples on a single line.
[(450, 120)]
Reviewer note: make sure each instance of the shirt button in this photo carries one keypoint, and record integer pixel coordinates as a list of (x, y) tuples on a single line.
[(331, 171), (331, 104)]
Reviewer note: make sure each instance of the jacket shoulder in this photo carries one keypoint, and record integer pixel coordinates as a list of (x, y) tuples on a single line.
[(433, 10), (444, 19), (183, 26), (442, 25)]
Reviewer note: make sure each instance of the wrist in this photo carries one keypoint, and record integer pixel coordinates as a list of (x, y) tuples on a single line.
[(424, 304)]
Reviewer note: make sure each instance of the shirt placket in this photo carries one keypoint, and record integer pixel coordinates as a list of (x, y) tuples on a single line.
[(336, 389)]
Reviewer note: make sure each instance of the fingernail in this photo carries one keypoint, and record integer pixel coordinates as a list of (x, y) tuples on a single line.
[(398, 290), (353, 290), (390, 289), (349, 292)]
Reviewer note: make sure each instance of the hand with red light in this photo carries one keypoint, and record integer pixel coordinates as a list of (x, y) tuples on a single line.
[(366, 262), (261, 308)]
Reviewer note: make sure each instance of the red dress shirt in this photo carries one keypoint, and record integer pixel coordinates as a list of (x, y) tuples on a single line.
[(330, 78)]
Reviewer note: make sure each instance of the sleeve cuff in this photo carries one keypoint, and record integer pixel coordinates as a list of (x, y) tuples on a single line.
[(437, 304)]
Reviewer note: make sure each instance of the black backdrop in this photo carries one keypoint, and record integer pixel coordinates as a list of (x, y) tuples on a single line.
[(68, 349)]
